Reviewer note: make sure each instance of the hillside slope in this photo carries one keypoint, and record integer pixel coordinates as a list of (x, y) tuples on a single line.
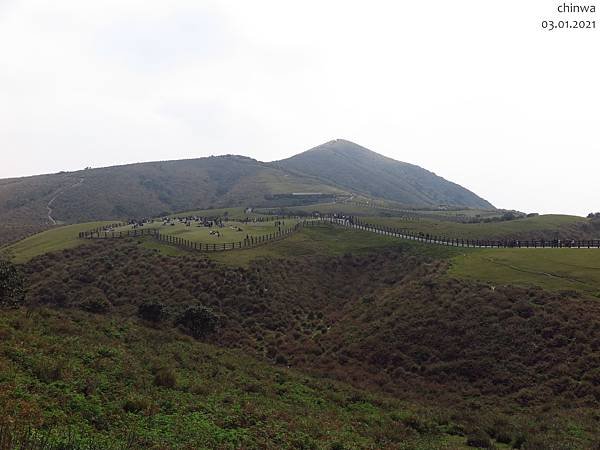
[(337, 168), (149, 189), (96, 382), (24, 202), (507, 359), (153, 188), (348, 165)]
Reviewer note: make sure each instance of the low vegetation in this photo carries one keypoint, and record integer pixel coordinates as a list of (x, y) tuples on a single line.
[(517, 364), (330, 339), (55, 239), (73, 380), (12, 291), (325, 240)]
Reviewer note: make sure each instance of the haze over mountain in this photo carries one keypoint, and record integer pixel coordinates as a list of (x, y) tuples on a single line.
[(351, 166), (336, 169)]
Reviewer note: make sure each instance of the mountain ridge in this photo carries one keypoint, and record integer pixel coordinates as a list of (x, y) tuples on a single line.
[(162, 187)]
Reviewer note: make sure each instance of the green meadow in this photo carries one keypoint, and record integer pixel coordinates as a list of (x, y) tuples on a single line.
[(553, 268), (55, 239), (230, 232), (542, 225)]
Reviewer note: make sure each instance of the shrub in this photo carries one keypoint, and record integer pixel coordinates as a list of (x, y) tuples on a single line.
[(94, 300), (536, 443), (280, 359), (152, 312), (504, 437), (479, 439), (165, 378), (519, 441), (337, 446), (12, 292), (136, 405), (199, 321), (48, 370)]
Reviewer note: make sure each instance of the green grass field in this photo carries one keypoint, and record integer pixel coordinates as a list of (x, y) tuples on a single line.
[(328, 240), (229, 233), (553, 269), (382, 210), (542, 225), (239, 212), (53, 240), (316, 240)]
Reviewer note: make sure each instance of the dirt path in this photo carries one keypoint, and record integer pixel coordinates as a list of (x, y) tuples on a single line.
[(58, 194)]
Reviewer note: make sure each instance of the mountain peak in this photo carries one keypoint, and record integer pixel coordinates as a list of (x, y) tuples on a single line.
[(338, 143), (353, 167)]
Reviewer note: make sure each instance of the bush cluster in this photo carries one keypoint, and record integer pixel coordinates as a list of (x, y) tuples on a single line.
[(388, 321)]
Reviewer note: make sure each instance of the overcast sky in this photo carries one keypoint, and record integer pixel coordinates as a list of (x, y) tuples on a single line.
[(474, 91)]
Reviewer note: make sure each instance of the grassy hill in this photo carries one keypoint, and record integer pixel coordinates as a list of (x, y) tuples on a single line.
[(151, 189), (360, 170), (145, 190), (551, 226), (58, 238), (513, 363), (23, 204), (553, 269), (86, 381), (31, 204)]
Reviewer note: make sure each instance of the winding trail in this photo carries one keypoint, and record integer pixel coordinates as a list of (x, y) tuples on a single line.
[(58, 194)]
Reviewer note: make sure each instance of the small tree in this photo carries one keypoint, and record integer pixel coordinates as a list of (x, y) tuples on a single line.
[(199, 321), (12, 290), (152, 312)]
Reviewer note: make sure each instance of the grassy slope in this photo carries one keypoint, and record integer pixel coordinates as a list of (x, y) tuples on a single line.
[(386, 321), (360, 170), (540, 225), (149, 189), (239, 212), (92, 378), (383, 209), (328, 241), (201, 234), (554, 269), (56, 239), (23, 204)]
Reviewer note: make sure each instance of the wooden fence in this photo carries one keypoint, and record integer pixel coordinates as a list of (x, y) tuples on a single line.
[(248, 242), (348, 222), (356, 223)]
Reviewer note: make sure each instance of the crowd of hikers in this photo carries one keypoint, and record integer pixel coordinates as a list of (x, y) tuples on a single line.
[(215, 223)]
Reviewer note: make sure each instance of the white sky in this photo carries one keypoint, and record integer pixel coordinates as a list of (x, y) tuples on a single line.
[(472, 90)]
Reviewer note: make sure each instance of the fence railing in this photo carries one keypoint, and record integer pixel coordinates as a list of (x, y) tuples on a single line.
[(108, 232), (460, 242), (247, 242)]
